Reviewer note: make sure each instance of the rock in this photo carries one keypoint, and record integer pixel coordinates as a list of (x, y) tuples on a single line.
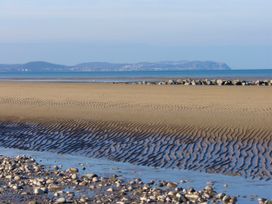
[(168, 199), (207, 82), (53, 187), (58, 193), (262, 201), (17, 178), (220, 196), (38, 191), (32, 202), (171, 185), (55, 167), (161, 83), (49, 181), (233, 200), (74, 176), (1, 190), (191, 190), (110, 190), (179, 81), (60, 200), (130, 188), (226, 198), (192, 196), (170, 82), (237, 82), (170, 193), (83, 200), (17, 187), (94, 179), (90, 175), (73, 170), (219, 82), (181, 198), (143, 199)]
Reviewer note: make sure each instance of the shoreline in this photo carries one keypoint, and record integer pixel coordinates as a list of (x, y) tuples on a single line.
[(234, 186)]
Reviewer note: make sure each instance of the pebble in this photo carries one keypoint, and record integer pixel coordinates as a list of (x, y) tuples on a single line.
[(60, 200), (74, 176), (38, 191)]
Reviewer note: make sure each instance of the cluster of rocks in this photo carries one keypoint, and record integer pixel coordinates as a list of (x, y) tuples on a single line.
[(208, 82), (23, 180)]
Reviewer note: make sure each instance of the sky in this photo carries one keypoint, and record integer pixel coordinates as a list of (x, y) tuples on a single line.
[(238, 32)]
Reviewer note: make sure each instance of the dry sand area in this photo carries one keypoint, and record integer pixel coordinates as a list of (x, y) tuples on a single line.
[(209, 128)]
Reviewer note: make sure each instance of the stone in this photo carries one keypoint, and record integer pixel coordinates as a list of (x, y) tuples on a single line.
[(17, 178), (219, 82), (32, 202), (94, 179), (226, 198), (53, 187), (74, 176), (171, 185), (49, 181), (220, 196), (262, 201), (73, 170), (170, 82), (237, 82), (90, 175), (38, 191), (60, 200), (110, 190)]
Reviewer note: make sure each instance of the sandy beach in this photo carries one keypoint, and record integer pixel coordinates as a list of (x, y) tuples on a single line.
[(213, 129), (202, 107)]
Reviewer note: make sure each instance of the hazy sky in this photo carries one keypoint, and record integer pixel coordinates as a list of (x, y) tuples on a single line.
[(238, 32)]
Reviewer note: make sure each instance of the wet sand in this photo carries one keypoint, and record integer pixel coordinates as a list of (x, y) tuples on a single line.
[(214, 129)]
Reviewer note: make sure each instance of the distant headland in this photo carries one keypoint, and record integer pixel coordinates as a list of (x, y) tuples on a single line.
[(41, 66)]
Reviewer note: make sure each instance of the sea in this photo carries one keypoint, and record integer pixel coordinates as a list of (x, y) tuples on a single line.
[(123, 76)]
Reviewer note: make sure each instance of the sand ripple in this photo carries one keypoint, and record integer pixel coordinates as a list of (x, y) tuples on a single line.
[(224, 150)]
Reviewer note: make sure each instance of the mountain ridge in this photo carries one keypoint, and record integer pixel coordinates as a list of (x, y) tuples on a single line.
[(40, 66)]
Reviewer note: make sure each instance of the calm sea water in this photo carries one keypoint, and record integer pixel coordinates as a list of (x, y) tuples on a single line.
[(130, 75)]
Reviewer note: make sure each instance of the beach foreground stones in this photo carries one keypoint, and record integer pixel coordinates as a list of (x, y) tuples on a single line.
[(23, 180)]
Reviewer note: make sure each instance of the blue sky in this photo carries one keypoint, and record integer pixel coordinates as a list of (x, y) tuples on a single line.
[(238, 32)]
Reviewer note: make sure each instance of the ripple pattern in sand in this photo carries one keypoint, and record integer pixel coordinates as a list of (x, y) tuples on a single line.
[(245, 152)]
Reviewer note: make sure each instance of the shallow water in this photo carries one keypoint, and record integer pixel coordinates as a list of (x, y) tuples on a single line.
[(247, 190)]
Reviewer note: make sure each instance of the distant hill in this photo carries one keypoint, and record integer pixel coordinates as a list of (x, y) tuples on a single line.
[(40, 66)]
